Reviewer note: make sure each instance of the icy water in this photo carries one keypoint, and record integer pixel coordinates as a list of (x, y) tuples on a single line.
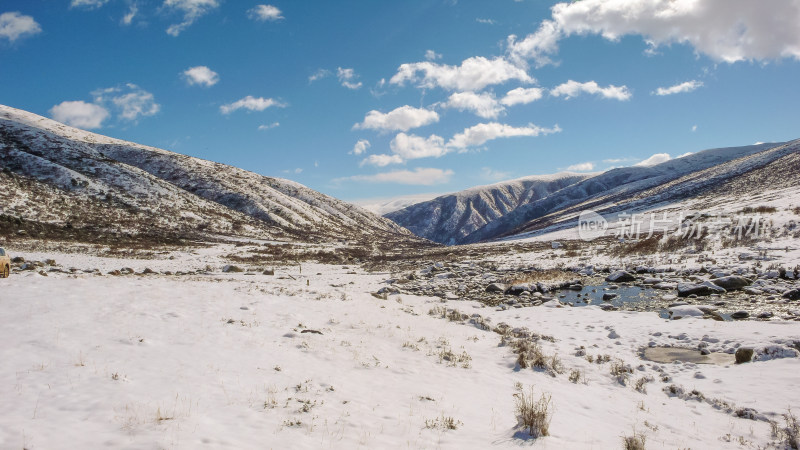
[(668, 355), (629, 297)]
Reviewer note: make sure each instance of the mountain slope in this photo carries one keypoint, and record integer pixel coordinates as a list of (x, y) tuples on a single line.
[(59, 174), (451, 218), (708, 173)]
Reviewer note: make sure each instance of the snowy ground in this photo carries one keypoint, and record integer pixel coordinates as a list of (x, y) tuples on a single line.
[(221, 360)]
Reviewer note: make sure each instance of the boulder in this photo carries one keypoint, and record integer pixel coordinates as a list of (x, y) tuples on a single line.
[(620, 276), (738, 315), (232, 269), (731, 282), (794, 294), (496, 287), (518, 289), (609, 296), (268, 272), (744, 355), (702, 289)]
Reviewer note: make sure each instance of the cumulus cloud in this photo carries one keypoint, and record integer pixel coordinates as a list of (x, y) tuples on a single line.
[(431, 55), (522, 96), (269, 126), (318, 75), (537, 46), (403, 118), (201, 76), (265, 13), (581, 167), (79, 114), (87, 3), (381, 160), (419, 176), (725, 30), (252, 104), (127, 19), (657, 158), (361, 147), (687, 86), (473, 74), (484, 132), (130, 101), (572, 89), (414, 147), (14, 25), (191, 10), (347, 78), (482, 105)]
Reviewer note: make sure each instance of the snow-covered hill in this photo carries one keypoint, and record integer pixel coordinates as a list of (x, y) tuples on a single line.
[(57, 174), (443, 219), (451, 218)]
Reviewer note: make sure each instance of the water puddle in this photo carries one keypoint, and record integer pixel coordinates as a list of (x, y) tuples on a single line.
[(668, 355)]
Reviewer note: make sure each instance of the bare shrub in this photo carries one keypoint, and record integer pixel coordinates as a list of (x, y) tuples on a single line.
[(575, 375), (534, 415), (788, 436), (635, 442), (443, 423), (621, 371)]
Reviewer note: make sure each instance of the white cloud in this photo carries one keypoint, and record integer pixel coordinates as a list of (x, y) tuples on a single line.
[(685, 154), (486, 21), (127, 19), (251, 103), (294, 171), (87, 3), (79, 114), (694, 128), (347, 78), (473, 74), (573, 89), (269, 126), (522, 96), (191, 9), (687, 86), (14, 25), (265, 13), (403, 118), (657, 158), (483, 105), (381, 160), (484, 132), (130, 101), (361, 147), (489, 174), (415, 147), (318, 75), (431, 55), (725, 30), (201, 75), (581, 167), (536, 46), (419, 176)]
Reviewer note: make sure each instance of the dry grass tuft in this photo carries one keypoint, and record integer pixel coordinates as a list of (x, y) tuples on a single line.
[(534, 415)]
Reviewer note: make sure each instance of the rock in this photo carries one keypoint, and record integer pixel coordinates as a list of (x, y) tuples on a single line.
[(738, 315), (555, 245), (732, 282), (228, 268), (575, 287), (609, 296), (148, 271), (311, 331), (752, 291), (518, 289), (794, 294), (17, 259), (766, 315), (115, 273), (268, 272), (744, 355), (652, 280), (620, 276), (665, 286), (705, 288), (496, 287)]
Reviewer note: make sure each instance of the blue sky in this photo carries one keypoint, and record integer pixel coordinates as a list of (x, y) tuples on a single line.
[(363, 99)]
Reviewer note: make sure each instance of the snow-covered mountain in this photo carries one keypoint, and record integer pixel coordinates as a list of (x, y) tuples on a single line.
[(451, 218), (466, 217), (56, 174)]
